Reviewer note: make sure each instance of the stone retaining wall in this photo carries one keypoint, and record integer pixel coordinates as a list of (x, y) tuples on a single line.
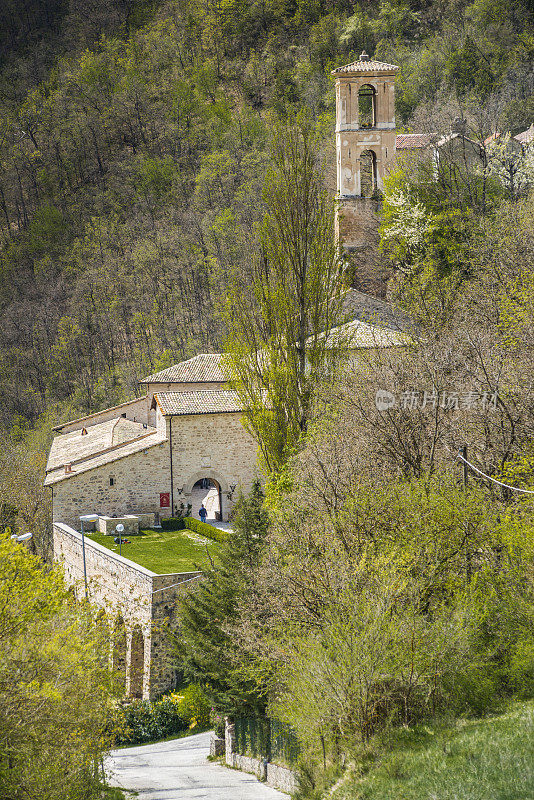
[(138, 606), (275, 775)]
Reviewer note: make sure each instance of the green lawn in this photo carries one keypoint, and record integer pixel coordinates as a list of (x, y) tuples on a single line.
[(483, 759), (164, 551)]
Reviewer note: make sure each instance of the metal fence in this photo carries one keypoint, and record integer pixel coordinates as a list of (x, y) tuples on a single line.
[(266, 738)]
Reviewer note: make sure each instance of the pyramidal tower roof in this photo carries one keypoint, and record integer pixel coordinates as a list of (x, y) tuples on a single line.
[(365, 64)]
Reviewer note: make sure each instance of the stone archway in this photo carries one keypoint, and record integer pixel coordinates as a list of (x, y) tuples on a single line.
[(206, 473), (207, 492), (137, 662), (119, 651), (220, 485)]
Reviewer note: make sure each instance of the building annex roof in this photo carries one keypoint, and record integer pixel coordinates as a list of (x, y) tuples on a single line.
[(364, 65), (76, 452), (526, 137), (204, 368), (203, 402), (412, 141), (458, 135), (375, 311), (359, 335)]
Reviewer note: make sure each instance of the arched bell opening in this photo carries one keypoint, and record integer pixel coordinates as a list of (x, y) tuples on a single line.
[(368, 177), (367, 106)]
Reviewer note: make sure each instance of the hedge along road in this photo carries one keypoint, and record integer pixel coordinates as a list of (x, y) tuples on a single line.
[(179, 770)]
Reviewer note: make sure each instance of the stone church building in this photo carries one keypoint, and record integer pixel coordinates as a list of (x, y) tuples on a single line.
[(147, 456)]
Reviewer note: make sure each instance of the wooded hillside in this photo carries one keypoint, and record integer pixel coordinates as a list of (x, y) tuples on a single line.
[(133, 140)]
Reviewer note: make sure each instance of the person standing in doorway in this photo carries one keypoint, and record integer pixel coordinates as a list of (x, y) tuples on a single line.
[(202, 513)]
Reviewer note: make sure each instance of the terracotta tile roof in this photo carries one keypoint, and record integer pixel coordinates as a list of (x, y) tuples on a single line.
[(409, 141), (70, 447), (365, 64), (492, 137), (526, 136), (204, 368), (358, 335), (207, 402), (89, 417), (125, 430), (102, 444)]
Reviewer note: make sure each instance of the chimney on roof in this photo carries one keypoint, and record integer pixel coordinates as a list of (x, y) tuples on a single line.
[(364, 56), (459, 125), (68, 469)]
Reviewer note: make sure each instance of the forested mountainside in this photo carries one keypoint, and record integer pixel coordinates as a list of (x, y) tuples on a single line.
[(133, 150)]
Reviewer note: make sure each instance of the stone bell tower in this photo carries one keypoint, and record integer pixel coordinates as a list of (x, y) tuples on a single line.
[(365, 143)]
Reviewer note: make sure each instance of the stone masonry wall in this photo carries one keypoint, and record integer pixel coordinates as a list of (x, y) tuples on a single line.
[(138, 480), (164, 609), (213, 446), (357, 221), (127, 592), (204, 445), (275, 775)]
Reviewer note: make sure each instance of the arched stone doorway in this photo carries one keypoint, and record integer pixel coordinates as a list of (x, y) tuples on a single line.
[(368, 178), (207, 492), (119, 651), (137, 662)]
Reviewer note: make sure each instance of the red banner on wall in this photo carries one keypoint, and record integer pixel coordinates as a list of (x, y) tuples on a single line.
[(165, 500)]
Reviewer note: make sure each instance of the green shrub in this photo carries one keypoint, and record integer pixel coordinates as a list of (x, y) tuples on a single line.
[(217, 723), (139, 723), (172, 524), (170, 715), (209, 531), (143, 721), (195, 707)]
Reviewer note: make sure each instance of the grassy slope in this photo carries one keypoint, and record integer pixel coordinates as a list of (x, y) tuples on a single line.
[(164, 551), (488, 759)]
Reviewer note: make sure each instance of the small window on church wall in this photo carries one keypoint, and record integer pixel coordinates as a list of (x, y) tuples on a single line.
[(366, 106), (111, 481), (367, 173)]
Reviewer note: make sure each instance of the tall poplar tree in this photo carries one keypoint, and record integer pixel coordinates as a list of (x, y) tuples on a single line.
[(279, 316)]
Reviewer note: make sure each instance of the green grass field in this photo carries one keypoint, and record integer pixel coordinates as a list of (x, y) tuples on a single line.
[(484, 759), (164, 551)]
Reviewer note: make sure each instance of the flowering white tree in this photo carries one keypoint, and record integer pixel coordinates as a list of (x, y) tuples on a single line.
[(406, 227), (511, 164)]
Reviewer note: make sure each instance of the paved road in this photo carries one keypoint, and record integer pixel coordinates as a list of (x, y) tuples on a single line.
[(178, 770)]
